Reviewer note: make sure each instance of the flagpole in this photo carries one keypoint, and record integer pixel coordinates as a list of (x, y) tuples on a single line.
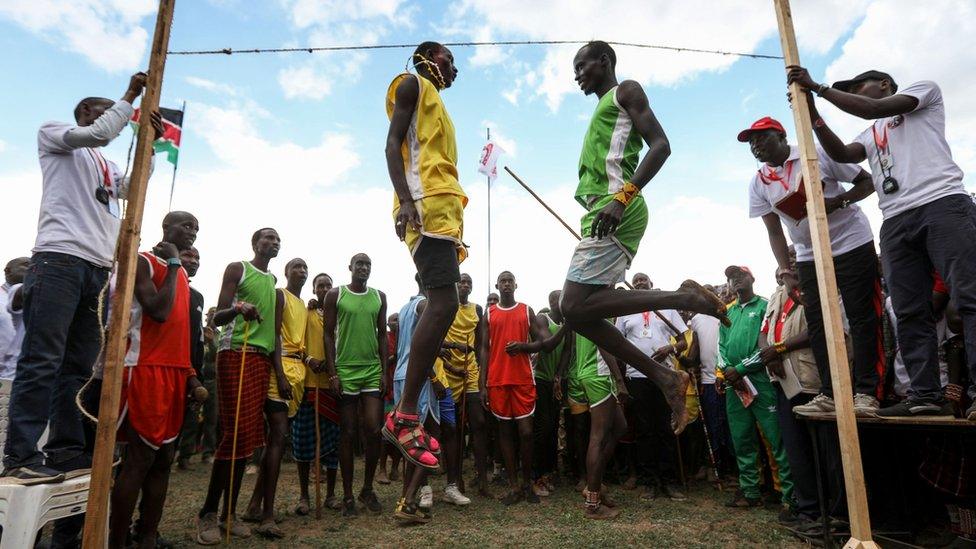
[(172, 185), (488, 179)]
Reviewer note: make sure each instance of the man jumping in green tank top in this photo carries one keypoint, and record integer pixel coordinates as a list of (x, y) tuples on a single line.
[(611, 177), (355, 353)]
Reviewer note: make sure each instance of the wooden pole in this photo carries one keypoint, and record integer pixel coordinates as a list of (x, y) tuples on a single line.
[(840, 375), (96, 518)]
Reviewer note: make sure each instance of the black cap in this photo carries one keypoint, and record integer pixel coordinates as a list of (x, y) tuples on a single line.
[(845, 85)]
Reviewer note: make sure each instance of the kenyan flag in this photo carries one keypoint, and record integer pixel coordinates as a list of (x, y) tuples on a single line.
[(172, 132)]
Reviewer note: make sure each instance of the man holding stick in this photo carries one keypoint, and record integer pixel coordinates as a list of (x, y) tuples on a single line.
[(928, 215), (250, 346), (611, 179)]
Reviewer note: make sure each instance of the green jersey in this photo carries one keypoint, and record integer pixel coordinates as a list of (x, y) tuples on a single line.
[(611, 152), (257, 288), (589, 362), (738, 344), (356, 342), (546, 363)]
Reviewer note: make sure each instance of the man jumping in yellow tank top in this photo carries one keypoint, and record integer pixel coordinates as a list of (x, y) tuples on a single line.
[(421, 155)]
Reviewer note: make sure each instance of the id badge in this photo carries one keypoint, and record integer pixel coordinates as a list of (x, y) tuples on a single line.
[(885, 161), (113, 208)]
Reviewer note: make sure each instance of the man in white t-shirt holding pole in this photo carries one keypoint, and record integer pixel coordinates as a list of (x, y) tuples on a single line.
[(929, 218), (776, 194), (74, 251)]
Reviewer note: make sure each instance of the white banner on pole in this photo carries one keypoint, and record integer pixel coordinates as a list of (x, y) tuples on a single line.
[(487, 163)]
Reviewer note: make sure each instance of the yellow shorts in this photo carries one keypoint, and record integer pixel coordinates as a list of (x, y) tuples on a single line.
[(441, 216), (459, 384), (295, 373)]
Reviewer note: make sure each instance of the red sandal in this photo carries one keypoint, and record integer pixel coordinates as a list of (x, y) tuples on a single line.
[(429, 442), (408, 436)]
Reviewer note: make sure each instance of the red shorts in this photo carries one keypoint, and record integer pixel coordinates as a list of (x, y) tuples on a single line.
[(153, 402), (511, 401)]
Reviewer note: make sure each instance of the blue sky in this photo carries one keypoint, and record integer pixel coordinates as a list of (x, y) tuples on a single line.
[(296, 140)]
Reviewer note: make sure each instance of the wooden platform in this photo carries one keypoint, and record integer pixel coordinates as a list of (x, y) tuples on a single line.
[(924, 421)]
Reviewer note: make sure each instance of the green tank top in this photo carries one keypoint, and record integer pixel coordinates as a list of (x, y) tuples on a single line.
[(356, 343), (546, 363), (257, 288), (611, 152), (589, 362)]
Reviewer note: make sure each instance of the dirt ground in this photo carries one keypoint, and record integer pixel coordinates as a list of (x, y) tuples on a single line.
[(701, 521)]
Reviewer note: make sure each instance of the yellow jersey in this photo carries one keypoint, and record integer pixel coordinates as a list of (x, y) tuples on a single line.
[(293, 320), (430, 149), (315, 347), (462, 331)]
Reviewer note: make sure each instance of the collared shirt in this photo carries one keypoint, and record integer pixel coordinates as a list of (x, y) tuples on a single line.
[(849, 227), (648, 332), (72, 221), (706, 328), (738, 344), (920, 158)]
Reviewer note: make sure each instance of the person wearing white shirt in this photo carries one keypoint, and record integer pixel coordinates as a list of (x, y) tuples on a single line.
[(654, 441), (77, 231), (929, 217), (713, 403), (776, 195), (11, 316)]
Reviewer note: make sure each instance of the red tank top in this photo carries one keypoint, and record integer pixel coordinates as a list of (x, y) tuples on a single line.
[(161, 344), (504, 326)]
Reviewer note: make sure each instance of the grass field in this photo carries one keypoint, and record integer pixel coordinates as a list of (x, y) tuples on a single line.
[(701, 521)]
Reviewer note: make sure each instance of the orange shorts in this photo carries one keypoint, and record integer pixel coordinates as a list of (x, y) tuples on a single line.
[(511, 401), (153, 402)]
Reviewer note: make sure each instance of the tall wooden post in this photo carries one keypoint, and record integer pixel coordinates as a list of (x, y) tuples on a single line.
[(840, 375), (96, 518)]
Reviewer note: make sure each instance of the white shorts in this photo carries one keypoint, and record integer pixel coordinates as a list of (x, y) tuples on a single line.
[(599, 262)]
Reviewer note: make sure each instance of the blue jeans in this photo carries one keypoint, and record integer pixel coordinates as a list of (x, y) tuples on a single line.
[(61, 342), (713, 405)]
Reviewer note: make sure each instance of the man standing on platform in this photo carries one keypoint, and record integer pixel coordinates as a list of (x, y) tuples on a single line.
[(928, 216)]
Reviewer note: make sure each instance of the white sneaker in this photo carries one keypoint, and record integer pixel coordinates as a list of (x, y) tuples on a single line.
[(821, 404), (865, 405), (426, 497), (453, 495)]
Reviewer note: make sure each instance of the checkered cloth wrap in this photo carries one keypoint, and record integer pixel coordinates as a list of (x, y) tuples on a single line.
[(303, 436), (250, 429), (328, 404)]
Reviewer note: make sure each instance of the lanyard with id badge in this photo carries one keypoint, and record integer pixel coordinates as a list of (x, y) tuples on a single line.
[(103, 193), (889, 185)]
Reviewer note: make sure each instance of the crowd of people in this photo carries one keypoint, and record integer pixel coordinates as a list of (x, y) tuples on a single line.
[(649, 387)]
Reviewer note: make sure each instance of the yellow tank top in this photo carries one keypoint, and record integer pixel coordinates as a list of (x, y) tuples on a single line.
[(462, 331), (315, 348), (293, 319), (430, 149)]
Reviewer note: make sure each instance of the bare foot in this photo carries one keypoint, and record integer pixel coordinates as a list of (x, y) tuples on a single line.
[(675, 395), (704, 301)]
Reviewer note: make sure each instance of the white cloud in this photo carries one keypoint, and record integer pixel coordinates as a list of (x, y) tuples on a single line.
[(729, 26), (211, 86), (324, 23), (304, 82), (106, 32), (912, 45), (508, 144)]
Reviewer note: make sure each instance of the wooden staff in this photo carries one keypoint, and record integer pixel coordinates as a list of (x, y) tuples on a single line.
[(237, 418), (840, 377), (544, 205), (96, 518), (318, 460)]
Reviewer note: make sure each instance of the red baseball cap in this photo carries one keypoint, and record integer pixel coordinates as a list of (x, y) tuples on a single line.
[(732, 269), (764, 123)]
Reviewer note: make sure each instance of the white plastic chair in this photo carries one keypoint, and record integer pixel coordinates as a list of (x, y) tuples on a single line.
[(24, 510)]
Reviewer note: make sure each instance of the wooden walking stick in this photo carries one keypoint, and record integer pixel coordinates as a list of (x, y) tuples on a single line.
[(840, 375), (237, 418), (100, 486), (318, 460)]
